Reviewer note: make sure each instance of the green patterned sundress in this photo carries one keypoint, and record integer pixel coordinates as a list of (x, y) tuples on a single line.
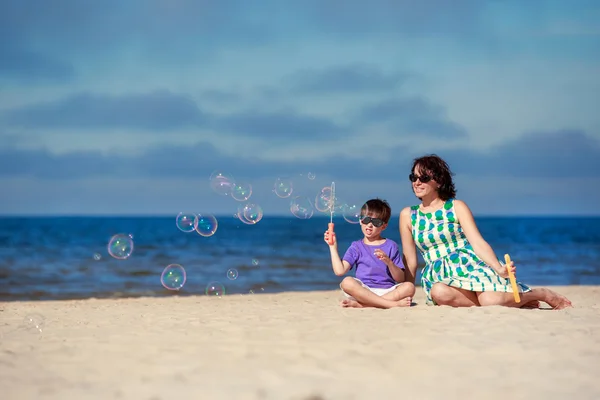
[(449, 257)]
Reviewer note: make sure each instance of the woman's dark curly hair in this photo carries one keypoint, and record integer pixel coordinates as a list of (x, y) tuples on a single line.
[(440, 171)]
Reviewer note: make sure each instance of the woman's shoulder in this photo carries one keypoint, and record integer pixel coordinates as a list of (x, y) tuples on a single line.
[(458, 203), (406, 213), (409, 209), (461, 210)]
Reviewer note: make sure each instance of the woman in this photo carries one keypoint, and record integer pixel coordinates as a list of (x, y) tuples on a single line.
[(461, 268)]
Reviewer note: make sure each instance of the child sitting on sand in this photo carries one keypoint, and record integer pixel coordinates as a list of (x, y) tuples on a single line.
[(380, 279)]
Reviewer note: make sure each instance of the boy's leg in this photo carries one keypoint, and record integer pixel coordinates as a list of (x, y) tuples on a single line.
[(364, 297), (404, 291)]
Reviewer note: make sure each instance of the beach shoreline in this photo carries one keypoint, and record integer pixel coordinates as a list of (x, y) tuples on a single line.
[(296, 345)]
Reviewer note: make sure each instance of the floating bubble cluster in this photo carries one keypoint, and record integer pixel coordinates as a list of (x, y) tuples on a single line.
[(174, 276)]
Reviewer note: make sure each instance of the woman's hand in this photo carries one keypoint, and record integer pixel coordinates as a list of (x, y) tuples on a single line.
[(503, 270)]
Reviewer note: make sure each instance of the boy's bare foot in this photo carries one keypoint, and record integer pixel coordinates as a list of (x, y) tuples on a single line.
[(405, 302), (348, 303)]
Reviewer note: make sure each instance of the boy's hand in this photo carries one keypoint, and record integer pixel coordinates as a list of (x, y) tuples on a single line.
[(382, 256), (326, 238), (503, 270)]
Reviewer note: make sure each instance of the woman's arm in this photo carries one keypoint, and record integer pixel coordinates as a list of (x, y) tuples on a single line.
[(409, 250), (480, 246)]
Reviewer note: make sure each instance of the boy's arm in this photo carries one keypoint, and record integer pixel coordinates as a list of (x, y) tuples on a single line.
[(393, 263), (396, 271), (340, 267)]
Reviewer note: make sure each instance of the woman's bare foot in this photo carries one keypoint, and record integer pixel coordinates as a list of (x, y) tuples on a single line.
[(349, 303), (531, 305), (555, 300)]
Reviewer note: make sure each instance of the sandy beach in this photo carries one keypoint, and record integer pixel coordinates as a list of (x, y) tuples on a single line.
[(297, 346)]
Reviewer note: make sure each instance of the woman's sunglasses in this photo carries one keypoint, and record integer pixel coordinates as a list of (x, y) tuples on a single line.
[(375, 221), (423, 178)]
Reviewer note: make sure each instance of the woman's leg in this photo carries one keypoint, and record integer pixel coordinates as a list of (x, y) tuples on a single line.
[(445, 295), (553, 299)]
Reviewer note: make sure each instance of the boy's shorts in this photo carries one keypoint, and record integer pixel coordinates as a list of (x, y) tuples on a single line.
[(377, 291)]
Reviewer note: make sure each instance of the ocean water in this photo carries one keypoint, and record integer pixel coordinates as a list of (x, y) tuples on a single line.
[(67, 257)]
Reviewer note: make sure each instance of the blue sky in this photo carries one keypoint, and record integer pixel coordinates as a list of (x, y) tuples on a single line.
[(126, 107)]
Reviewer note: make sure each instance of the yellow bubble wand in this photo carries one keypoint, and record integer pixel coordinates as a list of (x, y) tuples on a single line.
[(513, 280)]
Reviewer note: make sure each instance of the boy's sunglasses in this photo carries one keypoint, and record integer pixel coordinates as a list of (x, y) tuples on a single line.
[(423, 178), (375, 221)]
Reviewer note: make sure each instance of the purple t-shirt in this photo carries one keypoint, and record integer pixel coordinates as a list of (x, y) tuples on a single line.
[(369, 269)]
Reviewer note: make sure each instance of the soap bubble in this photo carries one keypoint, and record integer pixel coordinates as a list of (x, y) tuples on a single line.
[(283, 188), (34, 322), (232, 274), (186, 222), (250, 213), (173, 277), (253, 212), (240, 215), (215, 289), (254, 261), (352, 214), (207, 225), (241, 191), (301, 207), (324, 200), (97, 256), (120, 246), (221, 182), (311, 176)]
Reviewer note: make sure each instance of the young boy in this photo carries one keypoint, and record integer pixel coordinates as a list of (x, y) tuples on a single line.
[(380, 280)]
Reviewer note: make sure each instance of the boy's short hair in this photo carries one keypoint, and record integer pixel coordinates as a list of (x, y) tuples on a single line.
[(378, 207)]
